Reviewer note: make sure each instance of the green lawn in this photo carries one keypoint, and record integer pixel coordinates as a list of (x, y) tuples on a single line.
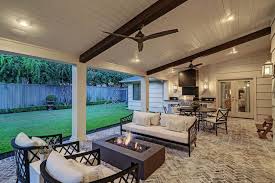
[(56, 121)]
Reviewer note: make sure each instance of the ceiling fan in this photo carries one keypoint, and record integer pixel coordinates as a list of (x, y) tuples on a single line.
[(140, 37), (190, 66)]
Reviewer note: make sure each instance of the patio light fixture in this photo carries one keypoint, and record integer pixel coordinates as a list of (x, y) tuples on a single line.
[(268, 69), (175, 88), (205, 85)]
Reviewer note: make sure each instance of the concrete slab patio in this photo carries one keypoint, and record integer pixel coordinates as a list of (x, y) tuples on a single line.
[(239, 156)]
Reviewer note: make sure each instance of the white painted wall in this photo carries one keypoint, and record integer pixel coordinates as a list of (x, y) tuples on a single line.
[(272, 36), (248, 66), (133, 104), (156, 97)]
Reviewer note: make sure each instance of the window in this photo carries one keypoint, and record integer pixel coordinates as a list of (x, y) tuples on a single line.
[(136, 91)]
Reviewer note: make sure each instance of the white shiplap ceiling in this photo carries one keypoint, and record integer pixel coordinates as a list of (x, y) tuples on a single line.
[(74, 26), (200, 27), (70, 26), (257, 46)]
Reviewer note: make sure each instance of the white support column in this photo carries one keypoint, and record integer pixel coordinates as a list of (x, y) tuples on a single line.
[(144, 88), (273, 79), (79, 77)]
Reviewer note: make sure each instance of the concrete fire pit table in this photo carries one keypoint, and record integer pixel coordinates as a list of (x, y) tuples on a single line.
[(121, 157)]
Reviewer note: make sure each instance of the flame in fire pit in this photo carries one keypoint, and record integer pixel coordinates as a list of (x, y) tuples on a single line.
[(128, 138), (128, 142)]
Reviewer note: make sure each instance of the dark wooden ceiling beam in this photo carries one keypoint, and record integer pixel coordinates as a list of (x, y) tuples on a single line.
[(150, 14), (230, 44)]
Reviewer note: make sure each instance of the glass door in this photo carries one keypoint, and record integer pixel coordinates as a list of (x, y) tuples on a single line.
[(237, 96), (225, 95), (243, 99)]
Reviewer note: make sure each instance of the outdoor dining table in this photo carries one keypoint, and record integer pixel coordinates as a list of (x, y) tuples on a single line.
[(201, 112)]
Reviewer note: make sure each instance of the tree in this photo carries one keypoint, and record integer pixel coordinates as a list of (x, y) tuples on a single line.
[(24, 69)]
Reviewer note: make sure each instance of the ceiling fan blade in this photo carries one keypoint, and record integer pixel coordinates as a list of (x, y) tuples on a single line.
[(160, 34), (197, 65), (140, 46), (119, 35)]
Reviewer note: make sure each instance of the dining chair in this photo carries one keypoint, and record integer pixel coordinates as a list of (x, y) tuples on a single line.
[(221, 118)]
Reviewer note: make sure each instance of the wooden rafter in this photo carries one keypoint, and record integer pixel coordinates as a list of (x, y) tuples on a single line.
[(224, 46), (150, 14)]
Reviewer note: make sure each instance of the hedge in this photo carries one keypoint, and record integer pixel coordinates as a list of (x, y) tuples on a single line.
[(41, 108)]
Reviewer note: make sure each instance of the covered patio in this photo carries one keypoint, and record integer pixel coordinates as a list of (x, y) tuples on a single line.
[(228, 44)]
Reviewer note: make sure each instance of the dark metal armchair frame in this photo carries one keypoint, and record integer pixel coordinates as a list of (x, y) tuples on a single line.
[(192, 133), (221, 118), (26, 155), (125, 176)]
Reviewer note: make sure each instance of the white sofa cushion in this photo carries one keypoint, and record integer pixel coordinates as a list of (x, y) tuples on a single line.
[(141, 118), (24, 141), (157, 131), (62, 170)]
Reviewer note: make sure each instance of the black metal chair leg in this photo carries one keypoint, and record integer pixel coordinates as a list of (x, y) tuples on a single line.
[(189, 150), (226, 128), (216, 127)]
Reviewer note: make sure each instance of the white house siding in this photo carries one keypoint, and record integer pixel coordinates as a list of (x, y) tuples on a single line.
[(156, 96), (133, 104), (246, 66)]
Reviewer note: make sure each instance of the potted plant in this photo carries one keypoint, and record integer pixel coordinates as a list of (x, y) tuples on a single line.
[(51, 100)]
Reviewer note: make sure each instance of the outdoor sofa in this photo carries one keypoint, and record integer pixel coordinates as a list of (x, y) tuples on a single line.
[(171, 128)]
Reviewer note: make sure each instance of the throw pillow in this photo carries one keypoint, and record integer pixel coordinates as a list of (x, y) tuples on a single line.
[(141, 118), (62, 170), (24, 141), (189, 121), (165, 118), (154, 118), (177, 125), (39, 141)]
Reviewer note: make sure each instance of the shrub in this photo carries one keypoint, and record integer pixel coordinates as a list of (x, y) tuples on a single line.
[(59, 107), (51, 98)]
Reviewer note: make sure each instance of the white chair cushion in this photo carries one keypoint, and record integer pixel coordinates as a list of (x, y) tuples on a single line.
[(91, 173), (141, 118), (157, 131), (39, 141), (24, 141), (62, 170), (211, 120)]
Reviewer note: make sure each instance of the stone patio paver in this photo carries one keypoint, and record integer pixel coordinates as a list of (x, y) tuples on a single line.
[(239, 156)]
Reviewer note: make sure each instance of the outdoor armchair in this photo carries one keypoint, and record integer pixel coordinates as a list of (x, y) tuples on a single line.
[(92, 158), (26, 155)]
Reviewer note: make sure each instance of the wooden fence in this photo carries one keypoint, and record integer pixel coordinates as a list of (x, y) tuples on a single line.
[(25, 95)]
